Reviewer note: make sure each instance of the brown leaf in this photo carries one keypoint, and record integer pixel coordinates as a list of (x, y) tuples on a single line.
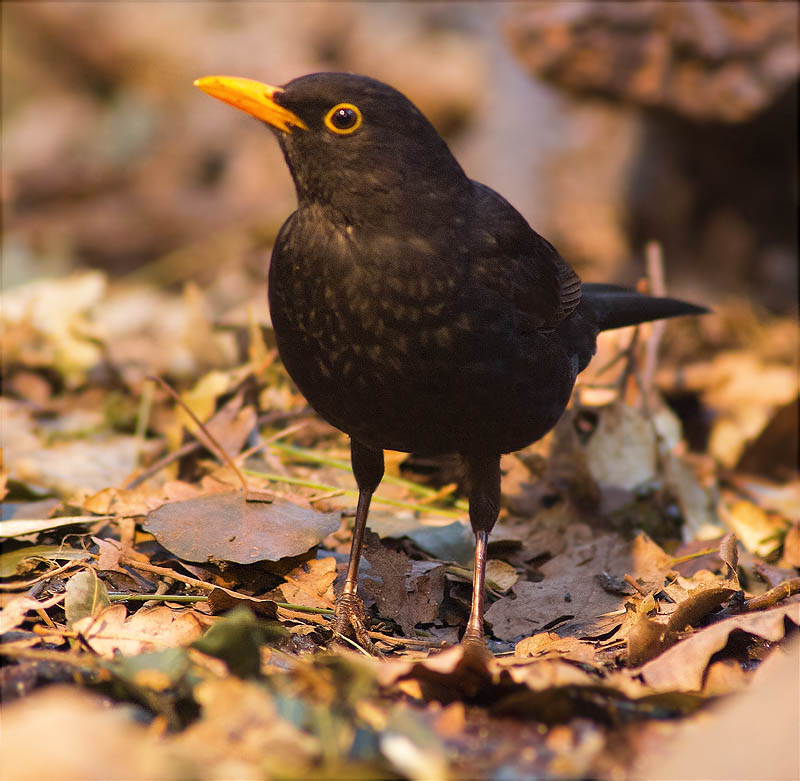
[(241, 728), (15, 611), (500, 576), (224, 527), (572, 590), (126, 502), (791, 546), (311, 584), (232, 424), (549, 645), (698, 604), (221, 600), (146, 630), (453, 674), (109, 554), (647, 638), (406, 591), (729, 553), (749, 735), (87, 736), (681, 668), (752, 525)]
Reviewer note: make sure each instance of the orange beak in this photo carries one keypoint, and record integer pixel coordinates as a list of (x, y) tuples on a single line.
[(253, 98)]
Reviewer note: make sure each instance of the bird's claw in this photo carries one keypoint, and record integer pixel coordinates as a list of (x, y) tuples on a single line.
[(350, 621)]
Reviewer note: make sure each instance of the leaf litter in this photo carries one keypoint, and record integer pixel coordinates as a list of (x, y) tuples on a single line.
[(156, 592)]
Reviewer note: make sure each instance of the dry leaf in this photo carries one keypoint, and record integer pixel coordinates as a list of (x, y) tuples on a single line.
[(86, 596), (311, 584), (406, 591), (16, 611), (681, 668), (146, 630), (222, 600), (572, 595), (224, 527), (756, 530)]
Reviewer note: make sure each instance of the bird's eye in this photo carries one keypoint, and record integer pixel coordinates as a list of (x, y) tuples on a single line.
[(343, 118)]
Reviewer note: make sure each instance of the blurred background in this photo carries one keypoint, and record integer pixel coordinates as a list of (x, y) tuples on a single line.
[(606, 124)]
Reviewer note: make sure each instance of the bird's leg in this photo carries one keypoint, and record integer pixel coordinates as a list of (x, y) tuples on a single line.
[(350, 618), (484, 505)]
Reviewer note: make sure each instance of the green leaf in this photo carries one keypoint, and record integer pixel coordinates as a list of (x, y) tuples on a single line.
[(236, 640), (10, 560), (86, 596)]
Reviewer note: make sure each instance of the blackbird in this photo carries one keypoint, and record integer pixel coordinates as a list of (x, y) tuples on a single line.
[(415, 308)]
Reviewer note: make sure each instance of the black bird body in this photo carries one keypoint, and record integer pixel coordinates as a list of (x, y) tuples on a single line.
[(415, 341), (415, 308)]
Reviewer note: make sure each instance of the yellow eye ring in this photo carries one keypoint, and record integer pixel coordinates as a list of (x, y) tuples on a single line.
[(343, 119)]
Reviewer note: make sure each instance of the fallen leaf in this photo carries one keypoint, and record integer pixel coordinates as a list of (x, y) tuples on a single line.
[(748, 735), (232, 424), (697, 499), (681, 668), (83, 464), (756, 530), (112, 631), (126, 502), (224, 527), (406, 591), (500, 576), (16, 611), (18, 527), (14, 562), (623, 449), (311, 584), (237, 639), (550, 645), (572, 595), (250, 740), (86, 596), (109, 553), (86, 738), (222, 600), (791, 546), (451, 542)]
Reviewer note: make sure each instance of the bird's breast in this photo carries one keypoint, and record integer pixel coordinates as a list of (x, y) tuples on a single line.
[(400, 351)]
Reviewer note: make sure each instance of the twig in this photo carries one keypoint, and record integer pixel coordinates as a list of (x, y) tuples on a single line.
[(275, 478), (654, 258), (183, 450), (166, 572), (23, 585), (774, 595), (202, 428), (327, 495), (196, 444), (143, 416), (631, 581), (695, 555), (405, 640), (189, 598), (322, 611), (412, 487), (54, 657)]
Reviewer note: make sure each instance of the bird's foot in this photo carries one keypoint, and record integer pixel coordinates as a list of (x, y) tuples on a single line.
[(475, 650), (350, 621)]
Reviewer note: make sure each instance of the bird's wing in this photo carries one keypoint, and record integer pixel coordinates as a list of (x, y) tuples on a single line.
[(519, 264)]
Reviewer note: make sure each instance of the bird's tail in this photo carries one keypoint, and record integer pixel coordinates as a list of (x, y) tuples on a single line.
[(616, 307)]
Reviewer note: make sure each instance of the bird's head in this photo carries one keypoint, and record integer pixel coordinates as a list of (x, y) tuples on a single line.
[(352, 143)]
